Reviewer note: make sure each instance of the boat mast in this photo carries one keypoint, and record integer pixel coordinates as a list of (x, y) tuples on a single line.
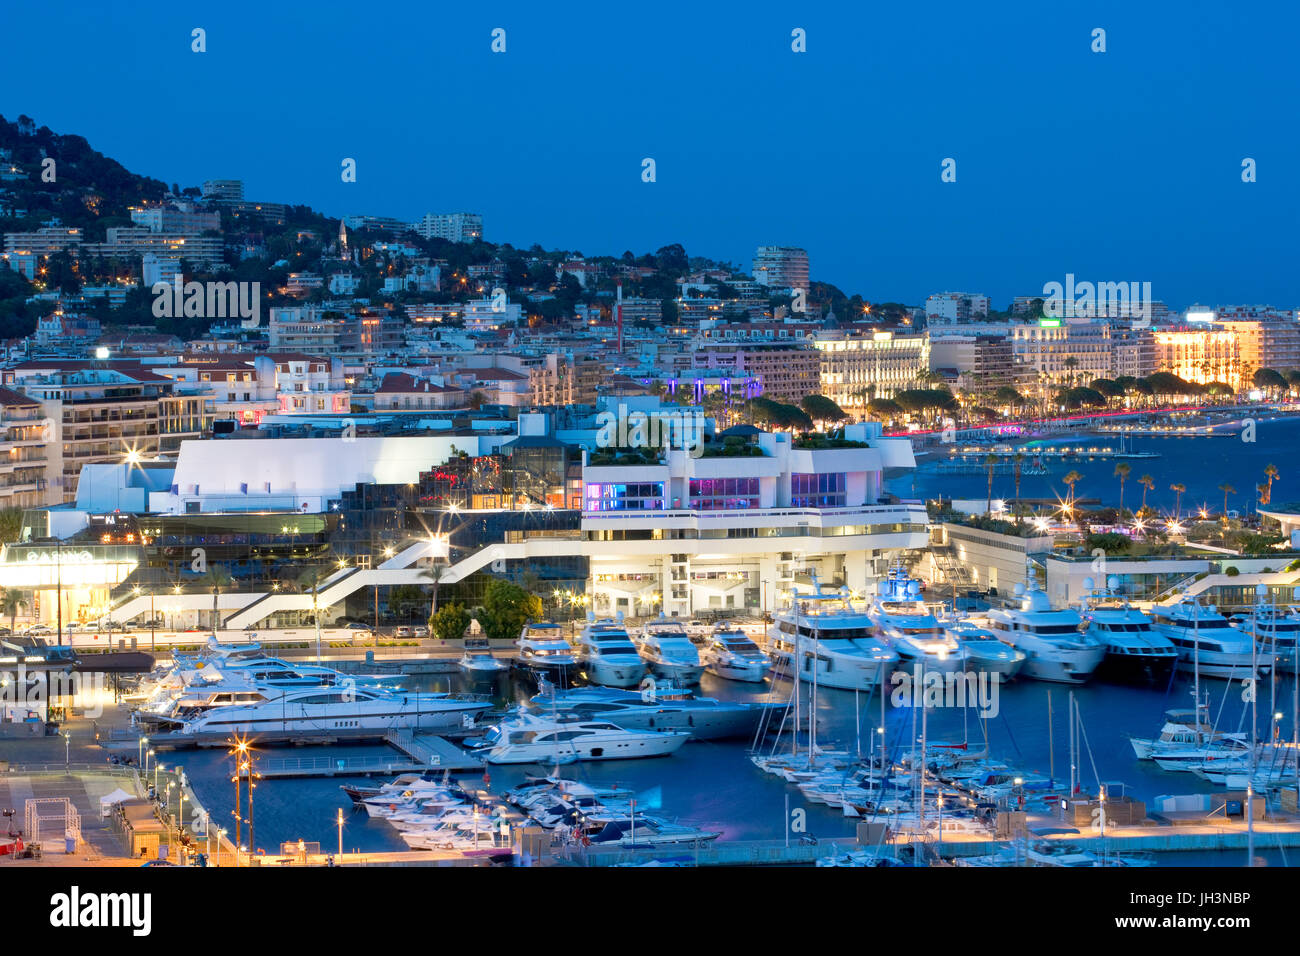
[(795, 665), (1254, 745), (1196, 667), (1071, 709)]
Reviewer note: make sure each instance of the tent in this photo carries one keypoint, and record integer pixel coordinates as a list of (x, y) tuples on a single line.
[(107, 802)]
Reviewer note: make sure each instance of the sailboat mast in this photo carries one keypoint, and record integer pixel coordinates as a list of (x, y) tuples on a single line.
[(1051, 747), (795, 664)]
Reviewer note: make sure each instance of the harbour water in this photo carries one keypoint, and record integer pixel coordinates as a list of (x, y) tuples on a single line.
[(714, 785), (1202, 464)]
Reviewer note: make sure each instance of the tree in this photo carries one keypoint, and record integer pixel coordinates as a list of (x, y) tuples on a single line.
[(1018, 459), (506, 609), (1122, 471), (215, 579), (434, 576), (1178, 488), (820, 408), (1271, 472), (449, 623), (1006, 395), (990, 462), (11, 602), (311, 580), (476, 400), (1071, 479), (11, 524), (1269, 380), (1147, 483), (1227, 489)]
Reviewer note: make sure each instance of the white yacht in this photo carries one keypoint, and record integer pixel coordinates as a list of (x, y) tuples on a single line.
[(529, 738), (831, 639), (1054, 648), (1205, 641), (1135, 652), (984, 652), (1187, 729), (1277, 634), (544, 651), (732, 654), (334, 708), (669, 652), (662, 707), (607, 656), (904, 622), (477, 661)]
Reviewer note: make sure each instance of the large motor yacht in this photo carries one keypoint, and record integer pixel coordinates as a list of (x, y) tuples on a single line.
[(1055, 650)]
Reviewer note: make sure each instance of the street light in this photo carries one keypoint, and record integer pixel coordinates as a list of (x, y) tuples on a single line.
[(340, 823), (67, 752)]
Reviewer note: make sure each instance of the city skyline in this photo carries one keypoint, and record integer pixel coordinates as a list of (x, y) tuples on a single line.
[(866, 200)]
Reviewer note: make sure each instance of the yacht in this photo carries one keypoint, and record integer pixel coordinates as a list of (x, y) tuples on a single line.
[(669, 652), (984, 652), (1277, 634), (477, 661), (904, 622), (641, 832), (544, 651), (832, 640), (1054, 648), (1205, 641), (607, 656), (338, 709), (528, 738), (1187, 729), (1135, 653), (731, 654), (661, 708)]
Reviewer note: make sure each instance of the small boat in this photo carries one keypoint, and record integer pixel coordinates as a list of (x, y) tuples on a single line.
[(661, 707), (984, 652), (477, 661)]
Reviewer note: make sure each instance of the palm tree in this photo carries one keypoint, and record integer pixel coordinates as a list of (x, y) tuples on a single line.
[(216, 578), (1147, 483), (1227, 489), (310, 580), (1178, 488), (989, 464), (1071, 479), (11, 602), (434, 575), (1122, 471), (1017, 459), (1271, 472)]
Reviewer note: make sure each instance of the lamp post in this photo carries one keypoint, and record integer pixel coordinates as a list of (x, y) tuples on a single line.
[(340, 824), (67, 752)]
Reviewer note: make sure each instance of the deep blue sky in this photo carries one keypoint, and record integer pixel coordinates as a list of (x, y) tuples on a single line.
[(1117, 166)]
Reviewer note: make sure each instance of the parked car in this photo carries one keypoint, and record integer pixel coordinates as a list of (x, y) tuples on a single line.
[(404, 631), (421, 631)]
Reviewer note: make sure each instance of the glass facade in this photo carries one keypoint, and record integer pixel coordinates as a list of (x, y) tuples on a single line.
[(723, 494), (640, 496), (818, 491)]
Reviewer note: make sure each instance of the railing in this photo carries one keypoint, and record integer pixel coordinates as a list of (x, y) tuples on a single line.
[(343, 766)]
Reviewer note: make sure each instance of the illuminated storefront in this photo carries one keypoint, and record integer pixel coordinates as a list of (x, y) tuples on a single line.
[(83, 574)]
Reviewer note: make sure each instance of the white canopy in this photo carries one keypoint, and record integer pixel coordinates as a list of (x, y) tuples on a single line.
[(117, 796)]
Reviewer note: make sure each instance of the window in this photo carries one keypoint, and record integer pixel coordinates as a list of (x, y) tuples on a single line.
[(609, 496), (818, 490), (723, 494)]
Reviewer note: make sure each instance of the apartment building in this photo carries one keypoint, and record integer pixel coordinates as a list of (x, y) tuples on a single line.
[(1203, 354), (781, 267), (106, 412), (183, 218), (46, 241), (132, 242), (950, 308), (854, 368), (786, 373), (981, 363), (30, 453), (454, 227), (1057, 353)]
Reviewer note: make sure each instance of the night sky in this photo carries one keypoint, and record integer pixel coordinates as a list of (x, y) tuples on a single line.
[(1117, 166)]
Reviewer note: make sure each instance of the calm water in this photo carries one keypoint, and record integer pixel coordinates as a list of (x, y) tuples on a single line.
[(1202, 464), (713, 784)]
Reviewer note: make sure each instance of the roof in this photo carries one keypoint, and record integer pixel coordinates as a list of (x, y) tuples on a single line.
[(402, 382), (9, 397)]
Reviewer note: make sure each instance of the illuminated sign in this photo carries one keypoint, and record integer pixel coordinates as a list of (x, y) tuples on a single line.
[(1049, 323)]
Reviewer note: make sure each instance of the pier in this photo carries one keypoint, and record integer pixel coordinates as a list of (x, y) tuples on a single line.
[(415, 753)]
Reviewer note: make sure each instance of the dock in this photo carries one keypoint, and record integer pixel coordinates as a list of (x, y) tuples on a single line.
[(414, 754)]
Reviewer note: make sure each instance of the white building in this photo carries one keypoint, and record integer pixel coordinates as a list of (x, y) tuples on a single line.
[(454, 227), (694, 534), (781, 267), (952, 307)]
